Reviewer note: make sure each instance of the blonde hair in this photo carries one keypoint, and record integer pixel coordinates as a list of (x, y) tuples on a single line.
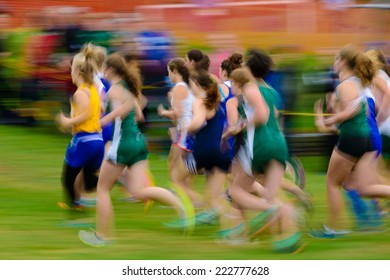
[(85, 62), (101, 56)]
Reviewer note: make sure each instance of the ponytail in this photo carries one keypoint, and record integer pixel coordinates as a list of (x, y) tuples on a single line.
[(212, 98), (360, 64), (364, 69), (130, 72)]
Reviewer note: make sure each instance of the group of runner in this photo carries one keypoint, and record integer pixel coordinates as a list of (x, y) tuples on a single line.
[(225, 128)]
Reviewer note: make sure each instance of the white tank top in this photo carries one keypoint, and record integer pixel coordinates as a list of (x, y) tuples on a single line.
[(384, 128), (185, 107)]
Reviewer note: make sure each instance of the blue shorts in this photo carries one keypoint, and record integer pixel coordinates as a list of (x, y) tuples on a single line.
[(107, 133), (85, 149)]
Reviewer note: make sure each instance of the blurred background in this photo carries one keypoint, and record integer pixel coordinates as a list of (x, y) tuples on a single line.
[(38, 39)]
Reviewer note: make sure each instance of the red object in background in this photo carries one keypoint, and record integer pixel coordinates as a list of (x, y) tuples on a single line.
[(19, 8)]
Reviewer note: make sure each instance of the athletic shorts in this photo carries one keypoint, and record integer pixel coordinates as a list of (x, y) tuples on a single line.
[(208, 160), (276, 150), (107, 133), (355, 146), (128, 150), (85, 149)]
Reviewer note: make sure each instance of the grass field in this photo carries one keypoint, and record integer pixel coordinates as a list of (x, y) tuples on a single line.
[(31, 225)]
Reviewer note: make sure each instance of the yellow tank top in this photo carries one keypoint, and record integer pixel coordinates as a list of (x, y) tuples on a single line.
[(92, 124)]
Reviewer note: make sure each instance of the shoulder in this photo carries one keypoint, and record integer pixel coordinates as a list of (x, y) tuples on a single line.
[(232, 102), (115, 91), (251, 88), (82, 91), (223, 86), (180, 90), (347, 86), (198, 103)]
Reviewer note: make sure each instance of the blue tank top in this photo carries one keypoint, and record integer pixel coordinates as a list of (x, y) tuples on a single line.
[(225, 98), (375, 135), (209, 136)]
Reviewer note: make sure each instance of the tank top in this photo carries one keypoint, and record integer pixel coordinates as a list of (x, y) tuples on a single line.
[(185, 107), (371, 116), (209, 136), (92, 124), (127, 126), (269, 131), (357, 126), (225, 98)]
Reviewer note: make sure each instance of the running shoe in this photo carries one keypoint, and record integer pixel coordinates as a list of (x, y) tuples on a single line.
[(236, 230), (89, 237), (187, 221), (88, 202), (291, 245), (202, 218), (260, 222), (233, 241), (65, 206), (327, 233), (231, 236), (206, 218)]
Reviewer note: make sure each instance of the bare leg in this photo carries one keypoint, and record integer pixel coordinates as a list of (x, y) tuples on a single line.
[(369, 185), (273, 180), (179, 174), (242, 197), (137, 188), (338, 169), (108, 174), (215, 181)]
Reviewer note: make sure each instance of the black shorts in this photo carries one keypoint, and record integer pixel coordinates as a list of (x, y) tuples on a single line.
[(355, 146), (207, 160)]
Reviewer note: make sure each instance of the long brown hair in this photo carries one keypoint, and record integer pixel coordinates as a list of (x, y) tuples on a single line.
[(213, 98), (360, 64), (179, 64), (129, 72)]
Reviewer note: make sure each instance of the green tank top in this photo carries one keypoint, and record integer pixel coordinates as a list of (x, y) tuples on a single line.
[(357, 126), (128, 126), (270, 130), (269, 142)]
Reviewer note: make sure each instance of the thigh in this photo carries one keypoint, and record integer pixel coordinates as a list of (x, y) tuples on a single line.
[(365, 172), (340, 166), (273, 179), (215, 181), (136, 176), (109, 173)]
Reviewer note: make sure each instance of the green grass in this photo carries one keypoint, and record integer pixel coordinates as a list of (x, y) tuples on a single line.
[(31, 224)]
